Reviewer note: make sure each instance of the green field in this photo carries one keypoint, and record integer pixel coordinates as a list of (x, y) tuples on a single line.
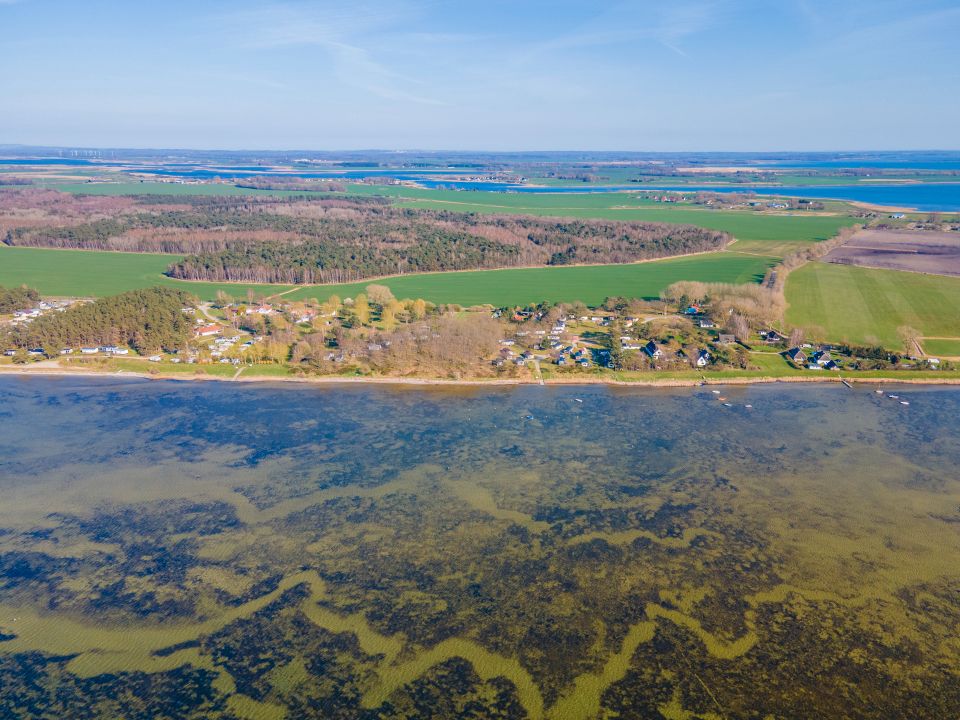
[(946, 347), (864, 305), (93, 273), (87, 273), (590, 284)]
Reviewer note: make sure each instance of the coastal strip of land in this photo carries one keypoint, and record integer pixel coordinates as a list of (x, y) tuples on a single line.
[(902, 378)]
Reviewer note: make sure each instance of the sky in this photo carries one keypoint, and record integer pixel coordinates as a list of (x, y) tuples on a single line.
[(677, 75)]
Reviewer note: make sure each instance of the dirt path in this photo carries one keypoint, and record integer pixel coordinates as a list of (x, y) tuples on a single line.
[(204, 308), (285, 292), (536, 367)]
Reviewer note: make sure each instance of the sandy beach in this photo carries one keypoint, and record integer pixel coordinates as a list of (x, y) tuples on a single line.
[(928, 379)]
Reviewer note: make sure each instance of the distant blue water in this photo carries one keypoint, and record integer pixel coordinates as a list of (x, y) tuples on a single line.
[(853, 163), (45, 161), (922, 196)]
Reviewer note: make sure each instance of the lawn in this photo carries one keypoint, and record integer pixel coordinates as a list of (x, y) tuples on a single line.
[(90, 273), (945, 347), (93, 273), (265, 370), (863, 305), (590, 284)]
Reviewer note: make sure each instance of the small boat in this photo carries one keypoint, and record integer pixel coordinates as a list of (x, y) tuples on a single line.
[(715, 392), (748, 406), (577, 400), (879, 392), (893, 397), (904, 402), (728, 404)]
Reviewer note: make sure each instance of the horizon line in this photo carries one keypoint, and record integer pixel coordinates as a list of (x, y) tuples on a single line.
[(398, 151)]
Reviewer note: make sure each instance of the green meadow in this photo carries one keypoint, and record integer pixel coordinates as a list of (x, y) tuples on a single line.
[(947, 347), (94, 273), (590, 284), (864, 305), (88, 273)]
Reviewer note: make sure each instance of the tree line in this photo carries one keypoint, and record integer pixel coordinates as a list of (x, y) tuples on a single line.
[(18, 298)]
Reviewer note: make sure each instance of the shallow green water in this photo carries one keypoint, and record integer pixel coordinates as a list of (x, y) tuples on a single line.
[(215, 550)]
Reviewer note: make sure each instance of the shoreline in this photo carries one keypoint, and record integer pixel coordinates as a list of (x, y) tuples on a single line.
[(494, 382)]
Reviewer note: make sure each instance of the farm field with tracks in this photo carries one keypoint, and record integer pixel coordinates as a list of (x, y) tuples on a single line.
[(863, 305)]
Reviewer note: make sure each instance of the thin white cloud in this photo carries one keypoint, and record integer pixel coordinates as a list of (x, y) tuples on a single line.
[(628, 22), (340, 32), (286, 24)]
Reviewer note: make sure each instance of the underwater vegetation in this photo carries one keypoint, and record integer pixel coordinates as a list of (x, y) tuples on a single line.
[(191, 550)]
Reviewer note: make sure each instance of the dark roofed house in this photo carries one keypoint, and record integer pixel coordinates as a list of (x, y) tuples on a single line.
[(652, 349), (773, 337), (796, 355), (821, 357)]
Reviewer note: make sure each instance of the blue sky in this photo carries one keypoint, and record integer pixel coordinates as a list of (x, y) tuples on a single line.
[(495, 74)]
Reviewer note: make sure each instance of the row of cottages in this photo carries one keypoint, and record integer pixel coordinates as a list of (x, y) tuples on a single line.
[(655, 352), (580, 357), (105, 349), (819, 360)]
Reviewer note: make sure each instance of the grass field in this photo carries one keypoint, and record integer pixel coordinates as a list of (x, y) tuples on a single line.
[(864, 305), (92, 273), (945, 347), (85, 273), (590, 284), (141, 366)]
